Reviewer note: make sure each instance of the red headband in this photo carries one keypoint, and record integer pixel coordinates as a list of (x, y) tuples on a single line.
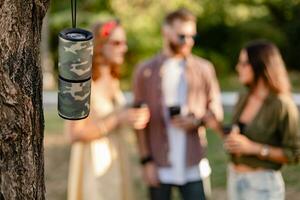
[(107, 28)]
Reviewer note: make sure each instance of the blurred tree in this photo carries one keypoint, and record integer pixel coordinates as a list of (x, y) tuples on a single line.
[(21, 112), (224, 26), (286, 14)]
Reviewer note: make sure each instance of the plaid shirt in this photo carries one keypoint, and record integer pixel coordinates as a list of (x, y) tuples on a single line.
[(203, 96)]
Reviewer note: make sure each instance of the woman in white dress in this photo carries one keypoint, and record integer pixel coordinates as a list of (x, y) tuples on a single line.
[(99, 163)]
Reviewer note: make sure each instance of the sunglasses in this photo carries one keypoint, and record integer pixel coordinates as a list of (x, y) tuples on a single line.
[(117, 42), (182, 37)]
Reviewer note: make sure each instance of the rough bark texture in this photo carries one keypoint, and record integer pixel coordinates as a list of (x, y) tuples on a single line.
[(21, 111)]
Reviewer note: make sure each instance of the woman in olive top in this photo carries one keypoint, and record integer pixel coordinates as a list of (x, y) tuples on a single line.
[(266, 134)]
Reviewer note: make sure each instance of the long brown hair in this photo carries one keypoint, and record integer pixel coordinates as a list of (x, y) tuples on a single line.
[(102, 32), (267, 63)]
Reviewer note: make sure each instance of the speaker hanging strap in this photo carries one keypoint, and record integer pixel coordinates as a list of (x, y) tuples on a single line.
[(74, 12)]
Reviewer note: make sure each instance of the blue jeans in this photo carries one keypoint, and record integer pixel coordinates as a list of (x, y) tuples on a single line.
[(189, 191), (257, 185)]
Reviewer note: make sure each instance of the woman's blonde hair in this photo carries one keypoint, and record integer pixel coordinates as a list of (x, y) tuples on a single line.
[(267, 63)]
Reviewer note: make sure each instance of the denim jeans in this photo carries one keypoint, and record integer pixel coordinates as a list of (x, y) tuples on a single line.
[(257, 185), (189, 191)]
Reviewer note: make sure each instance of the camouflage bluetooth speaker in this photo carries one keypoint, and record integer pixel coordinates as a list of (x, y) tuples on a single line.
[(74, 99), (75, 66), (75, 54)]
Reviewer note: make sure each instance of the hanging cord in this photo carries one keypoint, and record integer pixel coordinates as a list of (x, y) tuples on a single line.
[(74, 12)]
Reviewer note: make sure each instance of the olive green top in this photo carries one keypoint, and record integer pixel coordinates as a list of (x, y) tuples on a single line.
[(275, 124)]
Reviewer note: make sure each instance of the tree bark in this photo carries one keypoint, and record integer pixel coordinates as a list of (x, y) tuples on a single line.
[(21, 111)]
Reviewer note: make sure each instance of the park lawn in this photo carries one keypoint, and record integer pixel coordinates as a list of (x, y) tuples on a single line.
[(57, 150)]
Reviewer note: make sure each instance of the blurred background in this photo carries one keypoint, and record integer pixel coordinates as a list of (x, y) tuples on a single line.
[(223, 26)]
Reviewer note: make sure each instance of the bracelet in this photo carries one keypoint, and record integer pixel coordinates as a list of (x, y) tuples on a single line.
[(146, 160)]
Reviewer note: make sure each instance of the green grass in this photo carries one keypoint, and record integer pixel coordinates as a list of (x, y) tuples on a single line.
[(291, 176), (216, 154), (218, 160), (229, 82), (53, 123), (295, 81), (217, 157)]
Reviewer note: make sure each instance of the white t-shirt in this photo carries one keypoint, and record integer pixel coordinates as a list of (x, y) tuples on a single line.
[(174, 88)]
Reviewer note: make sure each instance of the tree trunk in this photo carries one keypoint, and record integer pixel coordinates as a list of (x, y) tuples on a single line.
[(21, 111)]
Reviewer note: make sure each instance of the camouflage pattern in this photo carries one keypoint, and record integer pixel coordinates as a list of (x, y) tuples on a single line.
[(75, 68), (74, 99), (75, 59)]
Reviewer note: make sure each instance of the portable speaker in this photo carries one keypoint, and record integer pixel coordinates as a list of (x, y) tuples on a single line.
[(75, 69)]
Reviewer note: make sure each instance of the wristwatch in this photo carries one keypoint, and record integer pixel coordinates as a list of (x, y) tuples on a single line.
[(265, 151), (145, 160)]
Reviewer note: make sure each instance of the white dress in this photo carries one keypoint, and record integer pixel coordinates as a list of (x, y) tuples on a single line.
[(99, 170)]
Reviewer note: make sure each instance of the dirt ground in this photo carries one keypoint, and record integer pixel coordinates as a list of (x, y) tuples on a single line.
[(56, 172)]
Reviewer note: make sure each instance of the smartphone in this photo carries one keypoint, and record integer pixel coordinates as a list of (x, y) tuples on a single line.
[(138, 104), (227, 129), (174, 110)]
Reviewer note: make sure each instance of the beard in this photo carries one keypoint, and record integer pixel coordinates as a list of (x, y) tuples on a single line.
[(174, 47), (177, 48)]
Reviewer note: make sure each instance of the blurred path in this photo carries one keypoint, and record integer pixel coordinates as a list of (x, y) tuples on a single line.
[(57, 151)]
